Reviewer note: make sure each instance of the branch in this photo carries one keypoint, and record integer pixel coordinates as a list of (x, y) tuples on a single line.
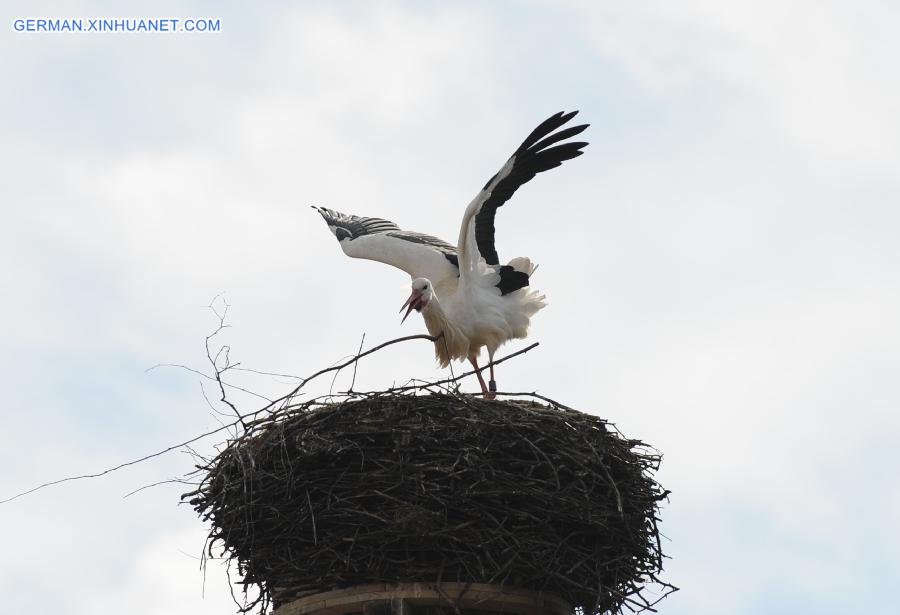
[(243, 418), (118, 467), (214, 360), (208, 377), (552, 402), (285, 398), (466, 374)]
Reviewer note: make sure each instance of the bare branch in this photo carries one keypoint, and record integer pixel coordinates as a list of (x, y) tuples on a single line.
[(355, 363), (118, 467), (246, 420), (179, 481), (293, 393), (208, 377), (214, 360), (466, 374)]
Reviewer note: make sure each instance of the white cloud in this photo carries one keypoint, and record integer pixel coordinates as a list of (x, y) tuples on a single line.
[(165, 578), (824, 73), (387, 63)]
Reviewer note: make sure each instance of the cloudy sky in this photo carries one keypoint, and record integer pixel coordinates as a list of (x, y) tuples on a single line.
[(721, 265)]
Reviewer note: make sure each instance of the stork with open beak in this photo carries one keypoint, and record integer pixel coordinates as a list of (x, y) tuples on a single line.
[(464, 294), (416, 301)]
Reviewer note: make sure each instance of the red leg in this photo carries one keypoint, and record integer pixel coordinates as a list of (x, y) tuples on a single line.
[(484, 389)]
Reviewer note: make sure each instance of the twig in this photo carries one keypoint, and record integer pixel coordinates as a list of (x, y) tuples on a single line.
[(118, 467), (355, 363), (264, 373), (243, 418), (214, 361), (466, 374), (359, 356), (157, 484), (208, 377), (552, 402), (312, 516)]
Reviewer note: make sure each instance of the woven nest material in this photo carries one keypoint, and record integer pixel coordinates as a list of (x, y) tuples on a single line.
[(437, 487)]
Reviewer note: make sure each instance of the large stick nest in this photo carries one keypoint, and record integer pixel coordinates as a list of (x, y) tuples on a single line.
[(437, 488)]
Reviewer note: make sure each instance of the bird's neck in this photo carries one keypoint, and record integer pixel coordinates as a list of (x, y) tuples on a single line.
[(453, 343), (435, 317)]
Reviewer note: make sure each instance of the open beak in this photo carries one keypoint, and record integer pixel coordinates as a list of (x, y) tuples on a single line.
[(413, 303)]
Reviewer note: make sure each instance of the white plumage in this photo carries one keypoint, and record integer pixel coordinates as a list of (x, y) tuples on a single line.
[(464, 295)]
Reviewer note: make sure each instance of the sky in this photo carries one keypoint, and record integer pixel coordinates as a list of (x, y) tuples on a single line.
[(721, 265)]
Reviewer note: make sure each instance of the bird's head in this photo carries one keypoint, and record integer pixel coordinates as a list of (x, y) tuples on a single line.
[(422, 294)]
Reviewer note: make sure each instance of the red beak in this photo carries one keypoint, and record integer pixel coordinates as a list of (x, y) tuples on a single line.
[(413, 303)]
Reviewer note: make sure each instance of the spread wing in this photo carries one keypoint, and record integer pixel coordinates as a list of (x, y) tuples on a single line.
[(536, 154), (419, 255)]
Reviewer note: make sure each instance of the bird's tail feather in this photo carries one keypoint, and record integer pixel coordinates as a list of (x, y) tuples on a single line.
[(523, 264)]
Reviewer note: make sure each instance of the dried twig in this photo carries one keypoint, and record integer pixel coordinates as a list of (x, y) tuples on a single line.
[(223, 350), (465, 374), (118, 467), (285, 399), (243, 418)]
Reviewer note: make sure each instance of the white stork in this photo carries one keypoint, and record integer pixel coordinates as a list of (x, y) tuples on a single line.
[(464, 294)]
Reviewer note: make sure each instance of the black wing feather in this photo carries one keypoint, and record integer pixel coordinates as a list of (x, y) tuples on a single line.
[(511, 280), (559, 136), (546, 127), (440, 245), (348, 226), (532, 157)]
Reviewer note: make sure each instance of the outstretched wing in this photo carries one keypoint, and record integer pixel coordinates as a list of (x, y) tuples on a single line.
[(536, 154), (419, 255)]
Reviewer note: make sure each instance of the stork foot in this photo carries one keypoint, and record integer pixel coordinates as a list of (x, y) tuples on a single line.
[(491, 393)]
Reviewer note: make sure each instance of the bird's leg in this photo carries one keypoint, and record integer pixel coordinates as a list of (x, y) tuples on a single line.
[(492, 382), (484, 389)]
